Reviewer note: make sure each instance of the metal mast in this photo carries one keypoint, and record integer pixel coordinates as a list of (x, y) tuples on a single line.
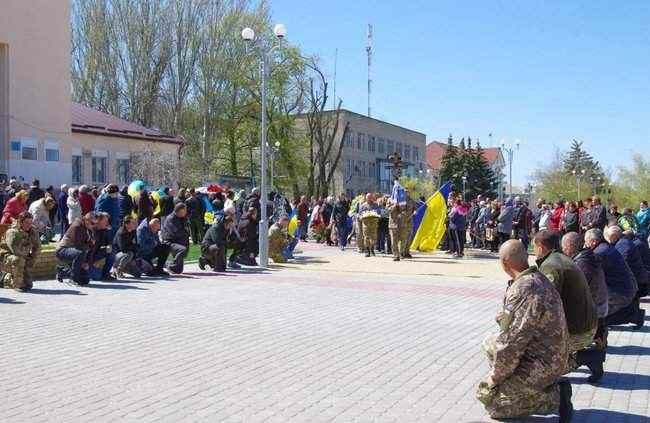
[(369, 51)]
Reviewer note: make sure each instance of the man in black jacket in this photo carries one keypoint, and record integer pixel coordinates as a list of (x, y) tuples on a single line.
[(35, 192), (213, 246), (176, 234), (340, 218), (196, 212), (125, 248), (597, 215)]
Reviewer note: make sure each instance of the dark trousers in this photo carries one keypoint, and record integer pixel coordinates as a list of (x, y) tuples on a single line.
[(215, 256), (383, 236), (342, 229), (74, 258), (160, 254), (178, 253), (196, 227), (627, 314), (458, 241), (64, 225)]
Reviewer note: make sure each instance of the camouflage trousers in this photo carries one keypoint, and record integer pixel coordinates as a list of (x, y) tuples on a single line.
[(358, 230), (515, 397), (576, 343), (405, 235), (397, 242), (17, 273), (370, 228), (275, 251)]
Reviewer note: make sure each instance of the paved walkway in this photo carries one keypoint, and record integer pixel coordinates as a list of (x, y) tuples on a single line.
[(335, 337)]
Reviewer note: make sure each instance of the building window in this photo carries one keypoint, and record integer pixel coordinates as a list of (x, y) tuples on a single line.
[(390, 147), (77, 169), (30, 153), (349, 139), (380, 146), (398, 148), (122, 169), (372, 144), (51, 155), (360, 142), (416, 154), (99, 170), (407, 152), (371, 170)]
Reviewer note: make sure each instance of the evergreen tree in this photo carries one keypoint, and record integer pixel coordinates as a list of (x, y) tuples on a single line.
[(483, 180), (578, 159), (449, 163)]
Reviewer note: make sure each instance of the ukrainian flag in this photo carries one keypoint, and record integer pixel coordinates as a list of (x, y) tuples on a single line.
[(293, 222), (429, 221)]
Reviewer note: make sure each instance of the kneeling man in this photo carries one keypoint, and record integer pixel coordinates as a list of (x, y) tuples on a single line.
[(529, 353), (18, 250)]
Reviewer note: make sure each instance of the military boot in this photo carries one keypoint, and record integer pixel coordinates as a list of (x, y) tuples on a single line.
[(640, 319), (594, 359), (566, 407)]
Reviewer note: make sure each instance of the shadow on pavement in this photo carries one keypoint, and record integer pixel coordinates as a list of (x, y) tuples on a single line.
[(588, 415), (630, 328), (615, 380), (10, 301), (645, 300), (114, 286), (628, 350), (39, 291), (309, 260)]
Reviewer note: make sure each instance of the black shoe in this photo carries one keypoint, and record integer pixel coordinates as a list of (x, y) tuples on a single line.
[(640, 319), (202, 263), (593, 358), (372, 252), (109, 278), (396, 259), (368, 253), (566, 407), (408, 255)]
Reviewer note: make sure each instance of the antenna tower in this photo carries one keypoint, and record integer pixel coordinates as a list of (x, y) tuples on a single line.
[(369, 51)]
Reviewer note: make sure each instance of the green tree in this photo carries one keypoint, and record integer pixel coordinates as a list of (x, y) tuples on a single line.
[(579, 160), (633, 184)]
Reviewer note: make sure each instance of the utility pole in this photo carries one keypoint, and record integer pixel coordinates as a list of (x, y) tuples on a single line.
[(336, 59)]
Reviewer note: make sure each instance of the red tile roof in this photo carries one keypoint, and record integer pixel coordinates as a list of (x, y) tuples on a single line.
[(90, 121), (436, 149)]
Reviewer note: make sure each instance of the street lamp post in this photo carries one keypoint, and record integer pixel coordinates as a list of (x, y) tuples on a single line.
[(578, 174), (249, 35), (510, 150), (464, 185)]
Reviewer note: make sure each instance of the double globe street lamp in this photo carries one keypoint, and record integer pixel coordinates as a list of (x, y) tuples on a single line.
[(510, 150), (265, 53)]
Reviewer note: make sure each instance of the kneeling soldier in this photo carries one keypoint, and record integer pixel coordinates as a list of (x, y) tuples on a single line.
[(18, 250), (281, 244)]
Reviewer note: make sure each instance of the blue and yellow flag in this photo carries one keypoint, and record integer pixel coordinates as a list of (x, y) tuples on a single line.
[(293, 222), (429, 221)]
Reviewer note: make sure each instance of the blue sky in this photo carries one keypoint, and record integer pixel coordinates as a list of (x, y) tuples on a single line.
[(540, 71)]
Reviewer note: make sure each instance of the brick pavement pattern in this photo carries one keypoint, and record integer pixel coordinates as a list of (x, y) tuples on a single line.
[(335, 337)]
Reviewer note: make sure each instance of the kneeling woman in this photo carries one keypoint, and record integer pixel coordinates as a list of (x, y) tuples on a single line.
[(213, 246), (125, 248)]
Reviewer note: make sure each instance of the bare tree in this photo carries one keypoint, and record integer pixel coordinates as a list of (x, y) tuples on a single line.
[(323, 130)]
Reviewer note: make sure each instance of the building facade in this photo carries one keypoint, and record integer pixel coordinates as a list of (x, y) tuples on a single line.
[(43, 134), (364, 165)]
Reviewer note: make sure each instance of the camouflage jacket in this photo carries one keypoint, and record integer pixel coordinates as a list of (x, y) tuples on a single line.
[(533, 337), (394, 213), (20, 243), (278, 237), (407, 212)]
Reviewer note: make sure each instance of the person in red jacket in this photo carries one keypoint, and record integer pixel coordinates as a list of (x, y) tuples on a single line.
[(556, 217), (14, 207), (86, 200)]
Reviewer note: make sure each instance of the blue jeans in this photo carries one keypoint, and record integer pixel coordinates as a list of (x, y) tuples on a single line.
[(99, 274), (287, 253), (75, 258)]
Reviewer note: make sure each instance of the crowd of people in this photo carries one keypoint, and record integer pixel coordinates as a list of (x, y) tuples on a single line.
[(591, 270), (105, 233)]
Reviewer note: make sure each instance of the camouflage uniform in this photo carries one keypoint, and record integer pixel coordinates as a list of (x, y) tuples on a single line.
[(369, 226), (18, 251), (358, 230), (576, 343), (277, 243), (406, 226), (529, 353), (394, 214)]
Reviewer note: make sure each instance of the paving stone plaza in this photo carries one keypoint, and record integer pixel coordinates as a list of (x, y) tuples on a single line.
[(334, 337)]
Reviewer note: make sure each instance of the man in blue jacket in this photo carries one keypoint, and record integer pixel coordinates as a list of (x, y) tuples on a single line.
[(109, 203), (621, 284), (625, 246), (150, 248)]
